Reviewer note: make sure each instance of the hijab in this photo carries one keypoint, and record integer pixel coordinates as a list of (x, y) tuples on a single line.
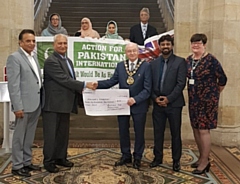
[(115, 34), (90, 32), (53, 30)]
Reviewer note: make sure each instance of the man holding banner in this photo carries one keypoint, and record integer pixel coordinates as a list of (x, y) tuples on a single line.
[(133, 74)]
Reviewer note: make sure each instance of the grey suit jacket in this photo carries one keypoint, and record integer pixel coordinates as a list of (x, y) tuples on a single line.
[(174, 81), (61, 90), (23, 84)]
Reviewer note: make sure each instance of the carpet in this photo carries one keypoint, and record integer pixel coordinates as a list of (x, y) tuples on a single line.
[(94, 164)]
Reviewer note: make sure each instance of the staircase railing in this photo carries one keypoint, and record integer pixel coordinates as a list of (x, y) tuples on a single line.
[(40, 12), (167, 10)]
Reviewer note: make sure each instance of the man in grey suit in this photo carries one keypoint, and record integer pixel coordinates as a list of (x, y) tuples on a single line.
[(24, 85), (61, 89), (169, 79)]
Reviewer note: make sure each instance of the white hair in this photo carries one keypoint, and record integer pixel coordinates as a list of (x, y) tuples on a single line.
[(59, 35)]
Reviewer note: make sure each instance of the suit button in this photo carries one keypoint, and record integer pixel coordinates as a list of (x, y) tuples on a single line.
[(37, 82), (38, 92)]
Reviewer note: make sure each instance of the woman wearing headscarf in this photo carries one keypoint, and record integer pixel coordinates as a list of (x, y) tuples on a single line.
[(112, 31), (54, 26), (86, 29)]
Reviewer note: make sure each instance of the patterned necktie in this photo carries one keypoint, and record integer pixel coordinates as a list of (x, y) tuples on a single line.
[(163, 74), (69, 67), (132, 66), (144, 31)]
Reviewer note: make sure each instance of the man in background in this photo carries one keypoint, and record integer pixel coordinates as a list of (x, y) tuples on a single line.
[(140, 32), (24, 85)]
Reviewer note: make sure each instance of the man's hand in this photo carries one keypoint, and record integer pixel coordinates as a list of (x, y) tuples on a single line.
[(162, 101), (92, 85), (19, 114), (131, 101)]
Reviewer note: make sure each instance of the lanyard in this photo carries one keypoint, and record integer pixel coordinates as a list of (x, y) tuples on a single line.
[(194, 66)]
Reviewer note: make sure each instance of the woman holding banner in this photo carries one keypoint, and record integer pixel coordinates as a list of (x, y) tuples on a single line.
[(86, 29), (54, 26), (112, 31)]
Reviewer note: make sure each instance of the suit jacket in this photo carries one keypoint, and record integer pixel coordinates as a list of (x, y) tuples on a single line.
[(23, 83), (174, 81), (140, 90), (136, 34), (61, 90)]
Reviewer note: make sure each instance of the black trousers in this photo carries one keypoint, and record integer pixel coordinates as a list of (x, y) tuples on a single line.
[(56, 135), (174, 116)]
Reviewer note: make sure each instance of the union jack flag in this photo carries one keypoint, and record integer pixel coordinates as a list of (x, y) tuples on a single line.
[(151, 49)]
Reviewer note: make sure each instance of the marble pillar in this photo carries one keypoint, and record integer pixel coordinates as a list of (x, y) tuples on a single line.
[(220, 21), (14, 16)]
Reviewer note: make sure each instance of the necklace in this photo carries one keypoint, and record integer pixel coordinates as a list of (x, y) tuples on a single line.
[(130, 79)]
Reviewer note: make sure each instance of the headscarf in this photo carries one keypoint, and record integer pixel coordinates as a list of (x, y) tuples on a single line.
[(90, 32), (114, 35), (59, 30)]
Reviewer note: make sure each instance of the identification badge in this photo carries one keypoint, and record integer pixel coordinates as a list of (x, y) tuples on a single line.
[(191, 81)]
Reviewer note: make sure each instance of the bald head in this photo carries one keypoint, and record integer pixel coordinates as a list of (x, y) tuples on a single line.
[(131, 51)]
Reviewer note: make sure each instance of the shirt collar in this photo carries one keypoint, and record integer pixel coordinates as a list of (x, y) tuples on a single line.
[(63, 57), (144, 24), (26, 52), (135, 62)]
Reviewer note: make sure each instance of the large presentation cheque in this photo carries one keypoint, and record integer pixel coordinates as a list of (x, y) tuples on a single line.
[(106, 102)]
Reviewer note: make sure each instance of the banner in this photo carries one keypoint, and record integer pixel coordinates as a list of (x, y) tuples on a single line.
[(93, 59), (96, 59)]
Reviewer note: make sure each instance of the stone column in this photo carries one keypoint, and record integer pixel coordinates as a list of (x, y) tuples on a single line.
[(220, 21), (14, 16)]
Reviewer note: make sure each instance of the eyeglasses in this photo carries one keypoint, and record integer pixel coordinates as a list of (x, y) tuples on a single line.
[(84, 22), (55, 19), (196, 43)]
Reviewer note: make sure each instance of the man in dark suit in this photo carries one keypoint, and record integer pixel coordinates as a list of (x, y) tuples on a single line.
[(135, 75), (169, 79), (61, 89), (140, 32), (24, 85)]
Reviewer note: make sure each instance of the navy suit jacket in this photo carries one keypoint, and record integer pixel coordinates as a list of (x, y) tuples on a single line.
[(174, 81), (136, 34), (140, 90)]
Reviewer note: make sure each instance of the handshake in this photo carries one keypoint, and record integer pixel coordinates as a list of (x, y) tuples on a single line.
[(92, 85)]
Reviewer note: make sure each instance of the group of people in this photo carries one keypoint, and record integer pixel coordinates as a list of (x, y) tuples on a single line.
[(138, 33), (163, 80)]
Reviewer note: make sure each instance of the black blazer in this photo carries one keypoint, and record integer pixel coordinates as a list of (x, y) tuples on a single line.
[(60, 88), (136, 34), (174, 81)]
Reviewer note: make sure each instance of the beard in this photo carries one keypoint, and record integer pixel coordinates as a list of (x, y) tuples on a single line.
[(166, 51)]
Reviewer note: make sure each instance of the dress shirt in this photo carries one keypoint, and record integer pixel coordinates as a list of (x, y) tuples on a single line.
[(144, 29), (134, 66), (34, 65)]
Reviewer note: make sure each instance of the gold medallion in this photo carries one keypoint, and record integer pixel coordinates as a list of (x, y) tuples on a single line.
[(130, 80)]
